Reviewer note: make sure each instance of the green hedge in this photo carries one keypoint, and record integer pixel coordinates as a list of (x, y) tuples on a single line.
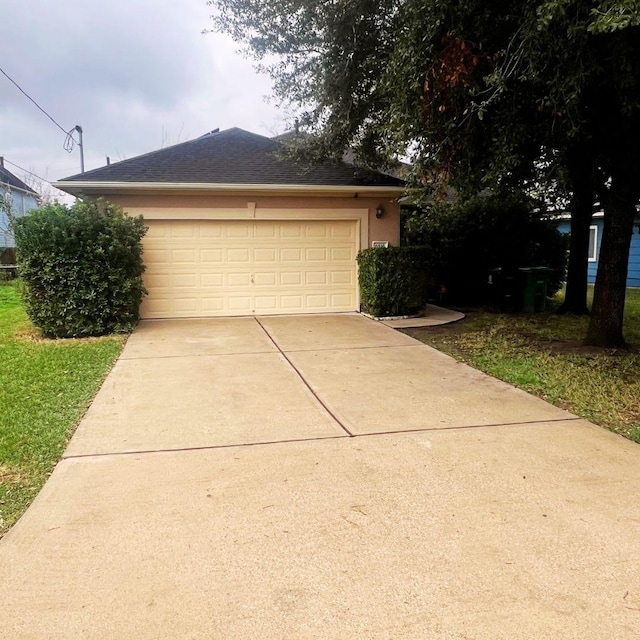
[(393, 281), (81, 268)]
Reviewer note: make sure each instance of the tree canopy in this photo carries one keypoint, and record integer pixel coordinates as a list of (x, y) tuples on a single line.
[(500, 95)]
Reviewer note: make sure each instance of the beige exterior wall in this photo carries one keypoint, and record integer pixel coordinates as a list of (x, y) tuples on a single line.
[(233, 207), (220, 255)]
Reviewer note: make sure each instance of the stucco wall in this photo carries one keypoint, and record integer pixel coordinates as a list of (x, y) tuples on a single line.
[(220, 207)]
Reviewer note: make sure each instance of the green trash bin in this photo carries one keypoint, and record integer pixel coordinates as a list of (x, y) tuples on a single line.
[(534, 284)]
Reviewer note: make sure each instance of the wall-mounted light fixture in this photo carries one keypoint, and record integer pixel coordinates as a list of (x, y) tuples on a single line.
[(379, 211)]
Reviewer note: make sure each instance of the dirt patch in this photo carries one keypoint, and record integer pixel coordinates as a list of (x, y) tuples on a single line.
[(572, 347), (575, 347), (10, 476), (31, 334), (541, 343)]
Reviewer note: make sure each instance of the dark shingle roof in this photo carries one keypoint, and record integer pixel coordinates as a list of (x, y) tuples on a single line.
[(233, 156), (6, 177)]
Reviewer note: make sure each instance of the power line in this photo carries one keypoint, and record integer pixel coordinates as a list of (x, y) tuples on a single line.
[(35, 175), (67, 133)]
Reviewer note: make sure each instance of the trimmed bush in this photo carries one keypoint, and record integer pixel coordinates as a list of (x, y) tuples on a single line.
[(393, 280), (81, 268), (470, 237)]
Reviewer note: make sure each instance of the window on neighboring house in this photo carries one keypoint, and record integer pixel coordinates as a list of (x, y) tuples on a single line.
[(593, 243)]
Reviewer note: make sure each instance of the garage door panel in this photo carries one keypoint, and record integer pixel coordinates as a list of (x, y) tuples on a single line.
[(238, 230), (156, 231), (212, 256), (342, 277), (183, 256), (265, 303), (317, 230), (316, 254), (342, 231), (292, 279), (291, 303), (265, 255), (213, 305), (239, 279), (185, 280), (292, 230), (183, 232), (316, 277), (269, 279), (218, 268), (341, 300), (212, 280), (342, 254), (291, 255), (266, 230), (186, 305), (210, 231), (241, 305), (158, 305), (159, 281), (238, 255), (156, 256), (317, 301)]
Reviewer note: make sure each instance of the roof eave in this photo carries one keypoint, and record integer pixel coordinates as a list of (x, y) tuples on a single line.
[(81, 188), (28, 191)]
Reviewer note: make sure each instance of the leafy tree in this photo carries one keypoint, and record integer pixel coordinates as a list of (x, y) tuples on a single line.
[(502, 95), (583, 61)]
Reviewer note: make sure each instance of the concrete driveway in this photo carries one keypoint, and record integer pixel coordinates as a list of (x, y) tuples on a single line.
[(323, 477)]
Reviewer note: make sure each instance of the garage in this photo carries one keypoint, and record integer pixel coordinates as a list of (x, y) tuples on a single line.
[(223, 268), (237, 227)]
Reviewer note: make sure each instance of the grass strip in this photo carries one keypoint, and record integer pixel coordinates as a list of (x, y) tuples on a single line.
[(45, 388), (542, 354)]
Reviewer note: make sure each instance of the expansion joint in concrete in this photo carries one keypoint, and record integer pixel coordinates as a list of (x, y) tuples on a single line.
[(304, 380)]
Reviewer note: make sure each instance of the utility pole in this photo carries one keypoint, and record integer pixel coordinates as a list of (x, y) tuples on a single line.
[(80, 144)]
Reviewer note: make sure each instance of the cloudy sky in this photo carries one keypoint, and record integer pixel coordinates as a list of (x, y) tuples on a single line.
[(136, 75)]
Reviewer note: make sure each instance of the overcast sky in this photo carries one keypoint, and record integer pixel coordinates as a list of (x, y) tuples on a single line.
[(136, 75)]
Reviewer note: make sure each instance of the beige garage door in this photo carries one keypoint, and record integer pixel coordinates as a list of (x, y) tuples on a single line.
[(226, 268)]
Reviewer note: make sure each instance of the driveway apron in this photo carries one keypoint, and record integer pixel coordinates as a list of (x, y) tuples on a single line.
[(323, 477)]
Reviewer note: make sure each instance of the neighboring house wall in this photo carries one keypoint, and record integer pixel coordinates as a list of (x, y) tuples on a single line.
[(595, 241), (633, 278), (21, 204)]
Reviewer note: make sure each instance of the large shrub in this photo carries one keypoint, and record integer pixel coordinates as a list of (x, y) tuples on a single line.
[(393, 280), (469, 238), (81, 268)]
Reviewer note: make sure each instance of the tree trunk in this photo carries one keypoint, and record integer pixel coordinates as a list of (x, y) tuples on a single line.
[(580, 166), (607, 314)]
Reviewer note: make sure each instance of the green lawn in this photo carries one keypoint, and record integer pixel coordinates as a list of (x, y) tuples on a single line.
[(542, 354), (45, 388)]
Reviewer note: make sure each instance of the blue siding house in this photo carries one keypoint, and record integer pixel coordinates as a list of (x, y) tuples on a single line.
[(21, 199), (595, 238)]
